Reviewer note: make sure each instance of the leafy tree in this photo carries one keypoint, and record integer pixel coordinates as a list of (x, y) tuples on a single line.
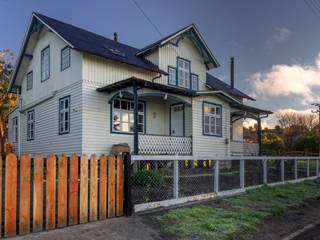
[(308, 143), (272, 142), (7, 100)]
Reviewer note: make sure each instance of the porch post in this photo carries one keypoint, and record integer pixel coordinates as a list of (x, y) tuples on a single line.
[(135, 126), (259, 134)]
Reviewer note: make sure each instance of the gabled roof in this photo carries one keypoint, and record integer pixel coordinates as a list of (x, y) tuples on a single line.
[(86, 41), (191, 32), (217, 84)]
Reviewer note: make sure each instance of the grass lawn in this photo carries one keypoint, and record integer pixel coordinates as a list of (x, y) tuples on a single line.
[(239, 217)]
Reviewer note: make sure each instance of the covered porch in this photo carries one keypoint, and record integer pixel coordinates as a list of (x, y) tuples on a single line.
[(158, 117)]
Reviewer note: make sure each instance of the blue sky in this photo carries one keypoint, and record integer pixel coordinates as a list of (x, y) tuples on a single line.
[(275, 43)]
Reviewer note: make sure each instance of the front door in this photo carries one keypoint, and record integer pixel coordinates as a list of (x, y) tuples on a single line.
[(177, 124)]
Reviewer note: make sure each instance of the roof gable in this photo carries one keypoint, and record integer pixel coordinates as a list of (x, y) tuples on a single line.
[(192, 33)]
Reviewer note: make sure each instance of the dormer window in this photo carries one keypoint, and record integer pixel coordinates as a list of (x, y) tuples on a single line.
[(183, 73), (65, 58)]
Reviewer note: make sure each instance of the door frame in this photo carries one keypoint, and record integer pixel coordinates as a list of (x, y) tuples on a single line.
[(183, 117)]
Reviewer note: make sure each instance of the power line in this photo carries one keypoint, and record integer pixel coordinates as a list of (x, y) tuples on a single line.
[(146, 16)]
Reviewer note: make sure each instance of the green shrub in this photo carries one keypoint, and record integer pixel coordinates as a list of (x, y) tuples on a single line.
[(148, 178)]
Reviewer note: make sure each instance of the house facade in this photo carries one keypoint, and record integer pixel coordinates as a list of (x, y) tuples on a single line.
[(82, 93)]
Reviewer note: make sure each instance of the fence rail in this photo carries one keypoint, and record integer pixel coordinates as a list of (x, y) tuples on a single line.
[(187, 178), (53, 192)]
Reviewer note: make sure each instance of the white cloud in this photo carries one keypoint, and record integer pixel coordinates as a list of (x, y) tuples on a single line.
[(280, 34), (287, 80)]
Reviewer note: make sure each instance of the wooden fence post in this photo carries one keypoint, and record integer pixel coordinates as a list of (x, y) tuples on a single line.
[(51, 192), (119, 185), (93, 188), (127, 184), (103, 188), (111, 187), (62, 190), (83, 189), (73, 189), (38, 193)]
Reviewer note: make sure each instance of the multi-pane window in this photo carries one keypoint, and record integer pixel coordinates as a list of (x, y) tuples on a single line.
[(183, 73), (15, 129), (194, 82), (172, 75), (30, 80), (45, 63), (65, 58), (123, 116), (212, 123), (64, 115), (30, 125)]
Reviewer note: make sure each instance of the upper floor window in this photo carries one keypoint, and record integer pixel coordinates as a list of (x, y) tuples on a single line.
[(64, 115), (45, 63), (30, 125), (65, 58), (30, 80), (194, 82), (123, 116), (15, 129), (172, 78), (212, 114), (183, 73)]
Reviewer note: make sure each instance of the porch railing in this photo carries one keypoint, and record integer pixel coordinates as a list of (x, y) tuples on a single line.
[(162, 144), (244, 148)]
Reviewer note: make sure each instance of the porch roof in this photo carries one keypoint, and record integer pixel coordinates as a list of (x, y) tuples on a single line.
[(246, 108), (146, 84)]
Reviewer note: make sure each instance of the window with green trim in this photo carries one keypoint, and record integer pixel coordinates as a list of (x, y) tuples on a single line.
[(212, 114), (65, 58), (183, 73), (45, 63)]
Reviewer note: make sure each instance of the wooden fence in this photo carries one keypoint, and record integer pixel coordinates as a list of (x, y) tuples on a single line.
[(43, 193)]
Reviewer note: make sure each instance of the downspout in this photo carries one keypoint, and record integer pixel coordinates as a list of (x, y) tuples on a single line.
[(19, 102)]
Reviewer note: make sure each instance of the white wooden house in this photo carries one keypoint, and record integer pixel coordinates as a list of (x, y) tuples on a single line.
[(82, 93)]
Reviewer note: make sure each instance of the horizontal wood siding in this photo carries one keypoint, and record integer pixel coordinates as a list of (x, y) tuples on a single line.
[(14, 144)]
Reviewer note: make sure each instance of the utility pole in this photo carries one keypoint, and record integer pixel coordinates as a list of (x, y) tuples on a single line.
[(317, 111)]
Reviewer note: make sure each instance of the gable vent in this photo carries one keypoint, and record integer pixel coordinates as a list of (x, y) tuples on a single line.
[(115, 51)]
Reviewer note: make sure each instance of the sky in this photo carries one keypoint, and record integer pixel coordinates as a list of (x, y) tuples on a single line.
[(276, 44)]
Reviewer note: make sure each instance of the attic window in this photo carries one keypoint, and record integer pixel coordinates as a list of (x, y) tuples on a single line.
[(115, 51)]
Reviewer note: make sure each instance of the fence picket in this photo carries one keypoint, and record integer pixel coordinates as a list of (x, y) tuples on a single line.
[(73, 190), (0, 191), (62, 191), (51, 192), (10, 195), (111, 186), (93, 188), (83, 189), (103, 188), (24, 210), (119, 186), (38, 193)]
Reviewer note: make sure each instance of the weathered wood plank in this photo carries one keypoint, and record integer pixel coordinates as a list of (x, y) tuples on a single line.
[(83, 189), (119, 186), (73, 190), (10, 196), (103, 188), (62, 191), (111, 186), (24, 210), (38, 193), (93, 188), (50, 192)]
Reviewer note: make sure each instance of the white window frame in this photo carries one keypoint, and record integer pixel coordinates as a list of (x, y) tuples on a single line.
[(64, 112), (29, 80), (194, 82), (184, 72), (45, 64), (172, 76), (65, 58), (15, 129), (212, 112), (126, 116), (30, 125)]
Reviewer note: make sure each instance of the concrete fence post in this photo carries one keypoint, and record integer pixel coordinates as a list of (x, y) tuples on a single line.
[(295, 168), (176, 179), (216, 176), (317, 166), (282, 170), (241, 173), (265, 171), (308, 168)]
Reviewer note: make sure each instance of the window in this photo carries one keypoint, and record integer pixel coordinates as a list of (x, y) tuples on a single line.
[(15, 129), (30, 125), (45, 63), (183, 73), (123, 116), (194, 82), (212, 123), (30, 80), (64, 115), (65, 58), (172, 80)]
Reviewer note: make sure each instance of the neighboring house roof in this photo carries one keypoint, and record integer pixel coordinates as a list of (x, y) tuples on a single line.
[(218, 84), (193, 34)]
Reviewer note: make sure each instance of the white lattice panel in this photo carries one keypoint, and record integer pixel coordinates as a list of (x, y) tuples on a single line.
[(158, 144)]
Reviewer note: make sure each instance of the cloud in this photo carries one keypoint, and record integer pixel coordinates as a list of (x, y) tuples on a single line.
[(280, 34), (289, 80)]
